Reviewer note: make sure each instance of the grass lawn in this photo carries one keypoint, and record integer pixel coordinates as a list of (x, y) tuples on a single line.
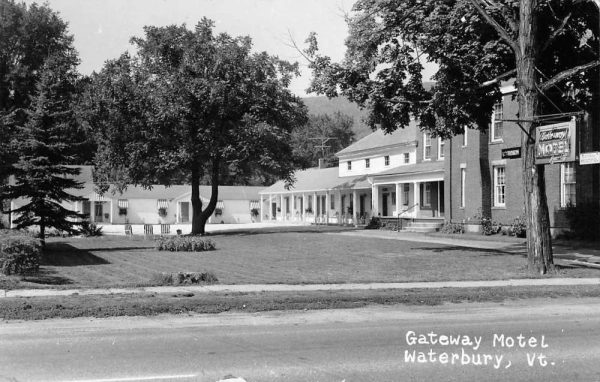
[(38, 308), (288, 255)]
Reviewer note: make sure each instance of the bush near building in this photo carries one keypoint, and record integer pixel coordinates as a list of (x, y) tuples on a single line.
[(19, 253)]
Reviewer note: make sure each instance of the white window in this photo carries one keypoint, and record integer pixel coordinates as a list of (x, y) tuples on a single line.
[(567, 184), (406, 158), (426, 146), (497, 117), (406, 190), (349, 165), (499, 186), (427, 196), (441, 148), (464, 137), (386, 159), (367, 163), (463, 181)]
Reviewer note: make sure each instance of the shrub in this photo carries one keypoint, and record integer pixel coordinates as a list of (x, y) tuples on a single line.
[(184, 244), (374, 223), (88, 229), (583, 220), (19, 254), (453, 228), (518, 227), (180, 278), (489, 226)]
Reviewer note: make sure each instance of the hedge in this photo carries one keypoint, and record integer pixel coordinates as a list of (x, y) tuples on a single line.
[(19, 253), (184, 244)]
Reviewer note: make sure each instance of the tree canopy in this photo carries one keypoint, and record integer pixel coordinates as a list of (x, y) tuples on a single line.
[(193, 103), (548, 46)]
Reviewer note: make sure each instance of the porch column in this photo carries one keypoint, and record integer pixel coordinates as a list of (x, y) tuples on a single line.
[(303, 207), (417, 198), (282, 208), (260, 209), (375, 199), (111, 211), (270, 208), (92, 211), (438, 199), (338, 206), (314, 207), (398, 199), (327, 206), (355, 207)]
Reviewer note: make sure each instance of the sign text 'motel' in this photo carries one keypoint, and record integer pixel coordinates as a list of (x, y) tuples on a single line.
[(555, 143), (511, 153)]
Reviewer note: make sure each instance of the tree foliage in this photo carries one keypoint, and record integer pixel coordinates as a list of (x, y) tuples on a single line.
[(336, 131), (549, 46), (43, 145), (193, 103), (28, 35)]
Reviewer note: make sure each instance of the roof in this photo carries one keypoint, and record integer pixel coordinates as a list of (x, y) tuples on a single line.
[(163, 192), (379, 139), (421, 167), (319, 179)]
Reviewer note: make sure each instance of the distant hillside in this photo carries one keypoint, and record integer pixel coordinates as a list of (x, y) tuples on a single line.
[(323, 105)]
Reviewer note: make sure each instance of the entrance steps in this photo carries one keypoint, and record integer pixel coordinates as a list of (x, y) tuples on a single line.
[(423, 225)]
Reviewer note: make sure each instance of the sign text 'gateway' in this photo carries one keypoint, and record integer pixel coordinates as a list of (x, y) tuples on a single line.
[(555, 143)]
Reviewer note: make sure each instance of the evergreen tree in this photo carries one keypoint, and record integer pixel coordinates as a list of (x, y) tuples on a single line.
[(43, 144)]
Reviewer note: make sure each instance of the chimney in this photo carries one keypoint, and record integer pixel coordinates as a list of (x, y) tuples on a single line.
[(322, 163)]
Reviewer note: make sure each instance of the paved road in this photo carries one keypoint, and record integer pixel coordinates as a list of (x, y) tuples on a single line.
[(369, 344)]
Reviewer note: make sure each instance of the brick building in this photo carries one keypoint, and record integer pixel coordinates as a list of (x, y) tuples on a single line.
[(483, 183)]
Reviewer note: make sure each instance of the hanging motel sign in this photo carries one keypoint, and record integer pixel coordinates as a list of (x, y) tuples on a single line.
[(556, 143)]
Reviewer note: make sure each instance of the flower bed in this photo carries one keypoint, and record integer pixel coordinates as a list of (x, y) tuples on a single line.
[(184, 244)]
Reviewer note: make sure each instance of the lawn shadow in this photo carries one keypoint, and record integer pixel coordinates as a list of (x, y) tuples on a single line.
[(66, 255), (259, 231), (47, 277), (513, 250)]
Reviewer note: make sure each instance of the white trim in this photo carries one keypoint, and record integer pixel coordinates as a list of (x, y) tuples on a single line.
[(463, 165), (441, 143), (425, 145), (493, 123), (495, 195), (465, 138), (463, 184)]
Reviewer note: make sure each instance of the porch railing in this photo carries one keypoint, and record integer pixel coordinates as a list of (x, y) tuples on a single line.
[(399, 223)]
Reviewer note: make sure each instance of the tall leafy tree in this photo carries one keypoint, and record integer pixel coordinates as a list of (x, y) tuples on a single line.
[(27, 36), (42, 146), (332, 132), (549, 46), (196, 104)]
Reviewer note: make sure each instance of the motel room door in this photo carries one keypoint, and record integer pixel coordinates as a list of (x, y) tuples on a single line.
[(185, 212), (384, 203)]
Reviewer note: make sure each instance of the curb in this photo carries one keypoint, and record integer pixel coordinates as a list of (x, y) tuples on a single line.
[(261, 288)]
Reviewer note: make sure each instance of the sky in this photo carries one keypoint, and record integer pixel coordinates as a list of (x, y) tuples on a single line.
[(102, 28)]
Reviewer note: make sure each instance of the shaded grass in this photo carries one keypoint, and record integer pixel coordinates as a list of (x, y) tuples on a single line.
[(152, 304)]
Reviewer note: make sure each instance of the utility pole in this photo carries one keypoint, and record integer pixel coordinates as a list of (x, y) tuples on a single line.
[(323, 141)]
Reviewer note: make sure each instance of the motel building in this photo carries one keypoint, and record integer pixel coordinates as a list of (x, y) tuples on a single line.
[(384, 175), (422, 182)]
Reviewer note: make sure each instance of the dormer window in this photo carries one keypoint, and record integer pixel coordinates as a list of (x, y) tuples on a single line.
[(349, 165), (367, 163), (386, 160), (406, 158)]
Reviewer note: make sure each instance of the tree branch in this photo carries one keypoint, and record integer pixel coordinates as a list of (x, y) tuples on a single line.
[(501, 31), (568, 73), (558, 30)]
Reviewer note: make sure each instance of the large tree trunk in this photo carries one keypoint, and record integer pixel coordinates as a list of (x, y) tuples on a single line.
[(539, 245), (197, 228), (199, 216)]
